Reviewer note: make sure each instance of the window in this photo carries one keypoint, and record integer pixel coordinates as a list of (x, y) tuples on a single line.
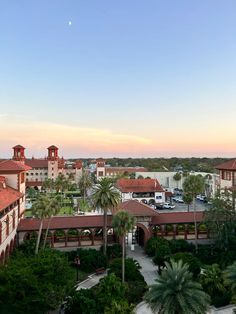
[(100, 173)]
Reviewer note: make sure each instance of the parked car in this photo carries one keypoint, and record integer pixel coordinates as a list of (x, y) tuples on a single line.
[(177, 199), (168, 206)]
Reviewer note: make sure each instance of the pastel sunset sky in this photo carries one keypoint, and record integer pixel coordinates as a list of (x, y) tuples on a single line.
[(127, 78)]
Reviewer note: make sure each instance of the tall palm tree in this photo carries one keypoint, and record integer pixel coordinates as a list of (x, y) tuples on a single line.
[(48, 185), (177, 177), (194, 185), (122, 222), (40, 210), (211, 279), (105, 196), (53, 210), (85, 182), (176, 292)]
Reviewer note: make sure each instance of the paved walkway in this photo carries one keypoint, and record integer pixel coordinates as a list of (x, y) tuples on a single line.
[(149, 272), (91, 281)]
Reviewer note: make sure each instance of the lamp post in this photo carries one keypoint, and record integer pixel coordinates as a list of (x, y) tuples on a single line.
[(77, 263)]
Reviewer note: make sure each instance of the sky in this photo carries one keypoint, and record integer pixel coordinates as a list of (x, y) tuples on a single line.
[(125, 78)]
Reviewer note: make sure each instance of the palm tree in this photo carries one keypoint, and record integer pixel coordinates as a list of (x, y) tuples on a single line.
[(105, 196), (230, 276), (48, 185), (53, 210), (212, 280), (85, 182), (176, 292), (122, 222), (194, 185), (40, 210)]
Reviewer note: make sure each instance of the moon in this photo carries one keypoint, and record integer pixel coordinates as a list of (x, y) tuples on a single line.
[(69, 23)]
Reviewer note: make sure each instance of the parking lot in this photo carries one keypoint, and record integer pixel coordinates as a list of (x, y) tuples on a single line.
[(200, 206)]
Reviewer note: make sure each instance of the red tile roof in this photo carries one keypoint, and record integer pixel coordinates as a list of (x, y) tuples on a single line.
[(228, 165), (37, 163), (18, 146), (13, 166), (138, 209), (65, 222), (139, 185), (52, 147), (176, 217), (8, 196)]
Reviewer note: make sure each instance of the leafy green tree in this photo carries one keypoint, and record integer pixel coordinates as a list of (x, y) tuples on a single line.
[(177, 177), (32, 193), (221, 223), (192, 186), (34, 283), (193, 262), (122, 223), (162, 255), (153, 244), (82, 301), (119, 307), (187, 198), (176, 292), (106, 197)]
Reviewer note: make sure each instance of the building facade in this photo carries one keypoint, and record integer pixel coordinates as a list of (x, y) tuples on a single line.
[(227, 172), (148, 191), (47, 168), (12, 203)]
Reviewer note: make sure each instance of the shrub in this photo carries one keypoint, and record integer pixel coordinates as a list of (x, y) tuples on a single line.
[(152, 245), (81, 301), (180, 246), (132, 267), (162, 255), (192, 261), (113, 251), (90, 259)]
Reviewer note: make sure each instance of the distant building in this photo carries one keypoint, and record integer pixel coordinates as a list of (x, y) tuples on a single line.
[(48, 167), (103, 170), (12, 203), (167, 181), (147, 191), (227, 172)]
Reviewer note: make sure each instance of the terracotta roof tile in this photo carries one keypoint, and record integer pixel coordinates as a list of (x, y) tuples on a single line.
[(228, 165), (65, 222), (138, 209), (176, 217), (8, 196), (37, 163), (13, 166), (139, 185)]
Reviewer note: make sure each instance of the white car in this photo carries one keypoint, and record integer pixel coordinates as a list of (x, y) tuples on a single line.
[(168, 206)]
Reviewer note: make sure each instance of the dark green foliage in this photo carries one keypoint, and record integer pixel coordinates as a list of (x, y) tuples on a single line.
[(113, 251), (90, 259), (180, 246), (152, 245), (135, 282), (192, 261), (34, 284), (81, 301), (176, 292), (162, 255), (131, 267), (100, 298)]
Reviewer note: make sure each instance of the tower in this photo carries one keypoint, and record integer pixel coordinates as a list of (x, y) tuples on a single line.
[(100, 171), (52, 162), (19, 153)]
